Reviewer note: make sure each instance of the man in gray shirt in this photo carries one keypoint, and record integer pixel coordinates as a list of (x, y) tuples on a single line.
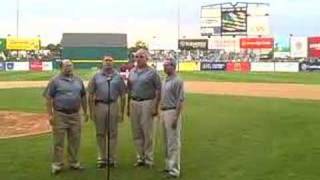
[(65, 94), (144, 87), (172, 98), (98, 106)]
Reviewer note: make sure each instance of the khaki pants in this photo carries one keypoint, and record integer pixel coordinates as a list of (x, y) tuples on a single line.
[(172, 140), (142, 129), (102, 124), (70, 125)]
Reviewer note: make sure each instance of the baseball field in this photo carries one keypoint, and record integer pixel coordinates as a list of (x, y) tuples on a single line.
[(256, 126)]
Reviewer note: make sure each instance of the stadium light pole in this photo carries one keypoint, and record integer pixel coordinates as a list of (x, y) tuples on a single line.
[(178, 28), (18, 17)]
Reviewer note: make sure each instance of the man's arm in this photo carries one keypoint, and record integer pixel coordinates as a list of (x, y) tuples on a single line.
[(157, 83), (91, 99), (180, 102), (84, 102), (49, 105)]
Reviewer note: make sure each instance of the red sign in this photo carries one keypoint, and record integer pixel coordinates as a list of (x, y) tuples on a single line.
[(238, 67), (256, 43), (36, 65), (314, 47)]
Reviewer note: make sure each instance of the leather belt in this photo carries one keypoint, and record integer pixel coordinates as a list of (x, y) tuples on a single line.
[(68, 111), (168, 108), (140, 99), (104, 102)]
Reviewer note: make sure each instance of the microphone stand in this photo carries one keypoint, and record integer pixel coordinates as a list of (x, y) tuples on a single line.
[(109, 128)]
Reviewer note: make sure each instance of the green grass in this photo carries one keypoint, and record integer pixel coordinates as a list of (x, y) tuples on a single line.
[(224, 137), (296, 78)]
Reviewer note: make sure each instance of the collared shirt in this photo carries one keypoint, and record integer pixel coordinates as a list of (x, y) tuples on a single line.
[(66, 92), (98, 86), (143, 83), (172, 92)]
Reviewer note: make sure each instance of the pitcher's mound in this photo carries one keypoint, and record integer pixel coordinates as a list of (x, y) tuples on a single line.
[(19, 124)]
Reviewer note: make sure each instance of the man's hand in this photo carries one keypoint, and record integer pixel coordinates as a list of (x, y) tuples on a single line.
[(155, 112), (86, 117), (121, 117), (128, 111)]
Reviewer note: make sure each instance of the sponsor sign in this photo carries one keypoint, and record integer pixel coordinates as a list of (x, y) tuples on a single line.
[(24, 44), (299, 47), (258, 25), (238, 67), (193, 44), (47, 66), (213, 66), (287, 67), (36, 65), (17, 66), (314, 47), (2, 66), (228, 44), (310, 66), (256, 43), (262, 67)]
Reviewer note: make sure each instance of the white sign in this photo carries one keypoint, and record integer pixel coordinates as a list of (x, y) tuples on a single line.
[(299, 47), (229, 44), (47, 66), (263, 67), (17, 66), (287, 67), (258, 25), (210, 21)]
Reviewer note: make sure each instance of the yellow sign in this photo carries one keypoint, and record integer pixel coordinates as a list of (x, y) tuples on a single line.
[(24, 44), (189, 66)]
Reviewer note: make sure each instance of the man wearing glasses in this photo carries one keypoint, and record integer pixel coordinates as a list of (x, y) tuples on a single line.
[(98, 106), (144, 89)]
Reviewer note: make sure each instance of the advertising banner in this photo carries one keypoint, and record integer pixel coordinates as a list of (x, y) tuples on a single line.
[(238, 67), (193, 44), (262, 67), (256, 43), (287, 67), (314, 47), (188, 66), (47, 66), (213, 66), (2, 66), (210, 21), (310, 66), (258, 25), (36, 65), (17, 66), (24, 44), (299, 47), (228, 44)]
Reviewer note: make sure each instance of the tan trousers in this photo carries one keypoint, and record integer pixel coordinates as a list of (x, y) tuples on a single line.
[(172, 140), (102, 124), (70, 125), (142, 129)]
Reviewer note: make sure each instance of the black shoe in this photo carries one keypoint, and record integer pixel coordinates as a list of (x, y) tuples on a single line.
[(101, 165), (77, 168), (139, 163)]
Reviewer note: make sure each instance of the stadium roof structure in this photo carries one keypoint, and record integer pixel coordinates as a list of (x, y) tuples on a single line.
[(94, 40)]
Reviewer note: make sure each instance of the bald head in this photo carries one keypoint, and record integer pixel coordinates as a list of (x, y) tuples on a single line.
[(66, 67), (141, 57)]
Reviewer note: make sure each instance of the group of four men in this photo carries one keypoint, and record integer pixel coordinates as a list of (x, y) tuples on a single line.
[(66, 94)]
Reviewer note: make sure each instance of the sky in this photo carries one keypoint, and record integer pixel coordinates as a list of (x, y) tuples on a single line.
[(152, 21)]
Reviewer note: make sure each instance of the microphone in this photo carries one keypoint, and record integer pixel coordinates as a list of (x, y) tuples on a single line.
[(109, 78)]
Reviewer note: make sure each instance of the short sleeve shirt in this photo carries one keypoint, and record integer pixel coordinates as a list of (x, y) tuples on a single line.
[(172, 92), (66, 92)]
